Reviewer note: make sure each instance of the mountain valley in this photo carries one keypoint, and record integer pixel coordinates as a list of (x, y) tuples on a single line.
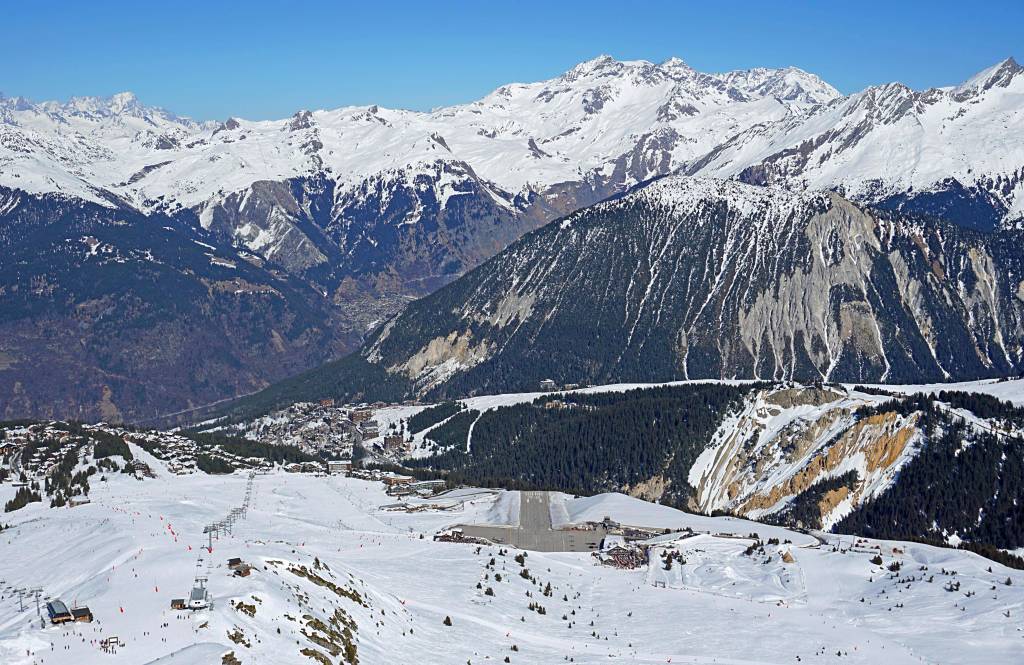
[(369, 208)]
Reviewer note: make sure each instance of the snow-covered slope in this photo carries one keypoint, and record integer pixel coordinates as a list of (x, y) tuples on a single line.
[(332, 569)]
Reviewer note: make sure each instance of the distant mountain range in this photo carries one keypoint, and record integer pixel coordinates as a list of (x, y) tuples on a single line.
[(363, 209)]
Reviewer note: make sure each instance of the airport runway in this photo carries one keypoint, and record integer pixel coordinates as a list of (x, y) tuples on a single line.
[(535, 531)]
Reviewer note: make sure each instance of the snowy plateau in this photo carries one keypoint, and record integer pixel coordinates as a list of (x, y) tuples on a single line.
[(330, 565), (313, 568)]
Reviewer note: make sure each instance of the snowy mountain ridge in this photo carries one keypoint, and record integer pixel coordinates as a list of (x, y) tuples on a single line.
[(578, 127), (890, 144), (532, 151), (519, 136)]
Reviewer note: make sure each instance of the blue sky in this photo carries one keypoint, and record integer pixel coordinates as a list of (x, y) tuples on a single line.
[(265, 59)]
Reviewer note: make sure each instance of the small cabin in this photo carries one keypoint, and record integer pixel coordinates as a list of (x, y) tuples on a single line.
[(83, 614), (178, 604), (234, 562)]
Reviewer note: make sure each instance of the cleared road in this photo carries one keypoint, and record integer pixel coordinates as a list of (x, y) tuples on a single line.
[(535, 531)]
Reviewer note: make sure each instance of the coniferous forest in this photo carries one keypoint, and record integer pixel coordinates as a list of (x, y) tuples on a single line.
[(589, 443), (966, 481)]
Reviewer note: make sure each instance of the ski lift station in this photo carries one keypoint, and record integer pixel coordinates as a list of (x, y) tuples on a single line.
[(58, 612), (199, 599)]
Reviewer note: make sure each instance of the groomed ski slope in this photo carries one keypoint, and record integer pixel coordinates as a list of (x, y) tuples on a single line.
[(137, 544)]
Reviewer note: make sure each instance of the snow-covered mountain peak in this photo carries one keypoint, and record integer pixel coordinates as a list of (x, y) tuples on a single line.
[(675, 63), (790, 84), (122, 103), (1000, 75), (14, 103), (87, 114), (637, 72), (890, 143), (602, 65)]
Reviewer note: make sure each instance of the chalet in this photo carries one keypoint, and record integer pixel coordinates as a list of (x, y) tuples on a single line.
[(58, 612), (393, 480), (83, 614), (243, 570), (8, 449), (359, 415), (303, 467), (234, 562), (622, 557), (548, 384), (141, 468), (394, 442), (178, 604), (327, 403), (339, 466)]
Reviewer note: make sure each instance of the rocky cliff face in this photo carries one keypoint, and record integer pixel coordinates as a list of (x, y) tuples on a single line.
[(856, 461), (692, 278), (788, 440)]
